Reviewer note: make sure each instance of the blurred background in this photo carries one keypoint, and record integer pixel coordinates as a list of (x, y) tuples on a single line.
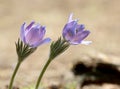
[(101, 17)]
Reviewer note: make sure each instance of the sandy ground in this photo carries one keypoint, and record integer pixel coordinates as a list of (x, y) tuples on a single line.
[(101, 17)]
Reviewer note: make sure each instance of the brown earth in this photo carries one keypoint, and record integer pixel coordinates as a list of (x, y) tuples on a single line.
[(101, 17)]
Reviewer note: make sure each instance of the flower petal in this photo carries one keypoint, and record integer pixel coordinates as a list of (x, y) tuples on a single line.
[(79, 37), (30, 25), (70, 18), (47, 40), (80, 27), (86, 42), (69, 30), (22, 33), (73, 43), (73, 32), (42, 32), (33, 36), (69, 35), (37, 25), (71, 25)]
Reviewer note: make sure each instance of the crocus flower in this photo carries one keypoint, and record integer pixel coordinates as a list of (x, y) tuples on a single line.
[(33, 34), (74, 33)]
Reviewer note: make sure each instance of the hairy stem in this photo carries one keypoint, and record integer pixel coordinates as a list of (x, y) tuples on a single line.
[(14, 74), (41, 74)]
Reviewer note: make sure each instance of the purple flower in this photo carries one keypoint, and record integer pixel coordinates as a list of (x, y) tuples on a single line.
[(74, 33), (33, 34)]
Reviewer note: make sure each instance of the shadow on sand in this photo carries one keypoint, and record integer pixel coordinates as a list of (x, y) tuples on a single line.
[(99, 74)]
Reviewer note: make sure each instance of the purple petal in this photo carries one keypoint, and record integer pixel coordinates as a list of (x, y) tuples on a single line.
[(33, 36), (71, 25), (69, 35), (42, 31), (47, 40), (30, 25), (22, 33), (86, 42), (73, 43), (69, 29), (80, 37), (80, 27), (70, 18), (37, 25)]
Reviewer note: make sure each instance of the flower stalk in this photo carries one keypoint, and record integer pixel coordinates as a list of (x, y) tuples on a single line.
[(73, 34), (42, 73), (23, 51), (14, 74), (56, 49)]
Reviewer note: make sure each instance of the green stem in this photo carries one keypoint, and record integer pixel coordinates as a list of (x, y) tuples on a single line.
[(13, 76), (41, 74)]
